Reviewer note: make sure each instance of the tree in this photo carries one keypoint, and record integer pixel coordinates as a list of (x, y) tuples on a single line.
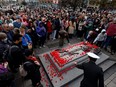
[(107, 4), (72, 3), (103, 3), (23, 3)]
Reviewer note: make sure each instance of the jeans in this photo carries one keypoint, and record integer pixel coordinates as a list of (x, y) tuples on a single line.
[(54, 34)]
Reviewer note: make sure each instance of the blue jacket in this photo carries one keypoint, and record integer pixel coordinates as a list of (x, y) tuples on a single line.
[(17, 25), (26, 39), (41, 31)]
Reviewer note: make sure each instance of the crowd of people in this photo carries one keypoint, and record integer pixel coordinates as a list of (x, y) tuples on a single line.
[(22, 30)]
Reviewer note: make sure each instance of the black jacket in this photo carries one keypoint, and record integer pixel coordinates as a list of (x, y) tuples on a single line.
[(16, 55), (3, 47), (33, 71), (93, 75)]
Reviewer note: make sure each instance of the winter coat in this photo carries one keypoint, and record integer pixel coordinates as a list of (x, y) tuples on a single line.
[(49, 27), (111, 30), (72, 27), (93, 75), (26, 39), (41, 31), (100, 37), (3, 47)]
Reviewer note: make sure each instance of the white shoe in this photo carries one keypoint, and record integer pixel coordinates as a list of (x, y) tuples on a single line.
[(40, 47), (44, 46), (54, 38)]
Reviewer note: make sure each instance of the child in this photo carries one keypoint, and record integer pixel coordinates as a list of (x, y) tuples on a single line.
[(32, 67)]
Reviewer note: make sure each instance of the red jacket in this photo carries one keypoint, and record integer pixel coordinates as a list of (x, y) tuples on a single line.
[(111, 29), (49, 27)]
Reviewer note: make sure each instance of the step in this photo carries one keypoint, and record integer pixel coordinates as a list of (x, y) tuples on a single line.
[(107, 64), (109, 72), (110, 79)]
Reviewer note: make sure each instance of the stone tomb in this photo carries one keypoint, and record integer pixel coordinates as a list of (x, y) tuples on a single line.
[(59, 64)]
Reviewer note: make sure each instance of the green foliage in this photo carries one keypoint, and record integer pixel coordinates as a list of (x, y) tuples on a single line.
[(107, 4), (23, 3), (71, 3)]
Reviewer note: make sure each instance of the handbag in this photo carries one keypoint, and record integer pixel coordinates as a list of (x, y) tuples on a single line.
[(22, 71)]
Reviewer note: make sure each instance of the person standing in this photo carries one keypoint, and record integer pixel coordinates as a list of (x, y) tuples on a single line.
[(72, 27), (111, 30), (41, 32), (93, 74), (3, 46), (113, 45), (16, 54), (26, 40), (57, 26), (49, 29)]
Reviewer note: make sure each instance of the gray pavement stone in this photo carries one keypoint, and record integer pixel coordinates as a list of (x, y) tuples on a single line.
[(106, 76), (107, 81), (111, 81), (111, 84), (114, 80), (112, 76)]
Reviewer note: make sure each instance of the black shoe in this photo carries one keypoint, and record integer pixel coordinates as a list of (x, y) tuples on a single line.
[(112, 53), (105, 49)]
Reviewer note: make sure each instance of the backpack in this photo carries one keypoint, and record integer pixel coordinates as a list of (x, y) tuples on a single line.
[(7, 53)]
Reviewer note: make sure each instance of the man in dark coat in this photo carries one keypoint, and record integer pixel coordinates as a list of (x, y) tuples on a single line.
[(3, 45), (16, 54), (93, 74)]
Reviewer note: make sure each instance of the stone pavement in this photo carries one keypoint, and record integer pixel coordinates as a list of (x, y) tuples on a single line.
[(109, 76), (111, 81)]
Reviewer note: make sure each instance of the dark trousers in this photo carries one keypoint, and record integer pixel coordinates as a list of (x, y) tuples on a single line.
[(70, 36), (107, 42), (42, 40), (13, 67), (99, 43), (61, 40), (48, 36)]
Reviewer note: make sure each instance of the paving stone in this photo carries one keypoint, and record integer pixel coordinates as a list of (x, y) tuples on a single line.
[(106, 76), (111, 84), (112, 76), (107, 81), (114, 80), (107, 64)]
